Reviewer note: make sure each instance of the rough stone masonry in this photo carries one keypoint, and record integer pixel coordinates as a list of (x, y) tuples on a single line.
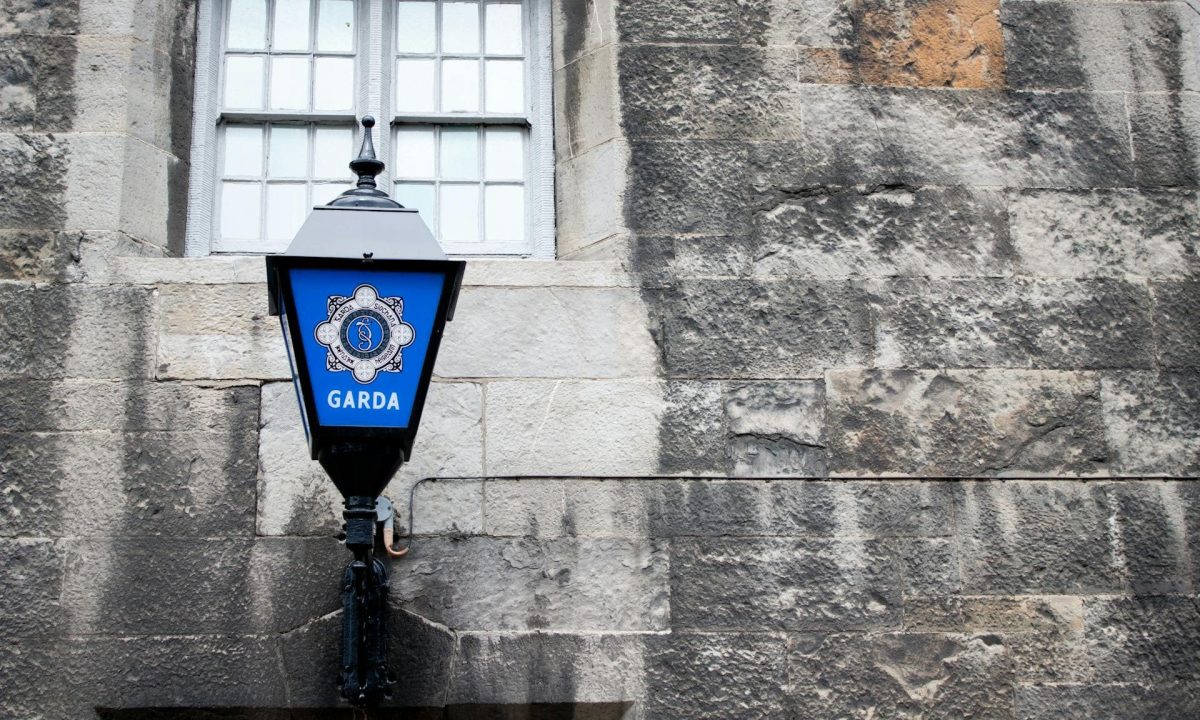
[(866, 384)]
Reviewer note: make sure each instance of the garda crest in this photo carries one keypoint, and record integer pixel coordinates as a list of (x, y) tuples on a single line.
[(365, 333)]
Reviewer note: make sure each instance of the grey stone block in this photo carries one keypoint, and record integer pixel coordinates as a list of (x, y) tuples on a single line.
[(1166, 138), (530, 668), (1152, 536), (38, 82), (1068, 324), (188, 672), (706, 91), (100, 332), (26, 673), (37, 256), (76, 405), (975, 137), (1151, 422), (706, 21), (882, 231), (1177, 323), (773, 329), (31, 572), (32, 172), (901, 675), (763, 584), (776, 428), (705, 508), (587, 114), (1111, 233), (492, 584), (726, 675), (1127, 701), (1146, 640), (219, 331), (868, 509), (420, 655), (166, 586), (38, 17), (962, 423), (928, 566), (580, 28), (692, 187), (1100, 46), (1043, 635), (1037, 537)]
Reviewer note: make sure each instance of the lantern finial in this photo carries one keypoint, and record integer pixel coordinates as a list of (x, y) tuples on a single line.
[(366, 193)]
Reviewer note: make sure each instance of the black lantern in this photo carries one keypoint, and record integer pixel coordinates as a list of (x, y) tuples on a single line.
[(363, 294)]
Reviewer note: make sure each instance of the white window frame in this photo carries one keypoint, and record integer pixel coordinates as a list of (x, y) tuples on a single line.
[(375, 59)]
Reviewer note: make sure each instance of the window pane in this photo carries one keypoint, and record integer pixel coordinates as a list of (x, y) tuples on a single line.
[(240, 210), (415, 27), (289, 152), (286, 209), (460, 86), (504, 29), (414, 85), (291, 25), (420, 197), (504, 154), (332, 152), (247, 25), (289, 83), (506, 86), (460, 27), (243, 150), (244, 83), (333, 86), (504, 213), (414, 153), (335, 26), (460, 153), (322, 193), (458, 213)]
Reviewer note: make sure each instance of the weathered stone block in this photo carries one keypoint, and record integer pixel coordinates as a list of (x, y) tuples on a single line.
[(219, 331), (901, 675), (37, 89), (886, 231), (963, 423), (32, 176), (492, 584), (1037, 537), (1069, 324), (1143, 639), (1089, 233), (587, 114), (692, 187), (31, 572), (580, 28), (38, 17), (188, 672), (783, 584), (709, 91), (600, 427), (25, 672), (589, 202), (1043, 635), (296, 497), (568, 508), (446, 507), (524, 668), (917, 136), (706, 508), (1177, 323), (865, 509), (1163, 701), (226, 586), (723, 675), (33, 255), (525, 508), (1100, 46), (1152, 536), (771, 329), (548, 332), (776, 428), (1152, 422), (679, 21), (928, 566), (1166, 138)]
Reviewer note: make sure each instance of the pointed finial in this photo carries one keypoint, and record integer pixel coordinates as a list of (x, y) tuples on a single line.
[(366, 166)]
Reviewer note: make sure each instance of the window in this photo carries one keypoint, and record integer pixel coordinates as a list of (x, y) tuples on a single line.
[(465, 83)]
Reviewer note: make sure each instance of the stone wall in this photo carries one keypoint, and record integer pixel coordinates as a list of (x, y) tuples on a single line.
[(866, 384)]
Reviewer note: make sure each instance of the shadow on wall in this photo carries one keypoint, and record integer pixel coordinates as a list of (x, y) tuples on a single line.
[(546, 711)]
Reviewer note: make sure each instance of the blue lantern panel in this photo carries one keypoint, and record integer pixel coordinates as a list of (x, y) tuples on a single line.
[(366, 335)]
